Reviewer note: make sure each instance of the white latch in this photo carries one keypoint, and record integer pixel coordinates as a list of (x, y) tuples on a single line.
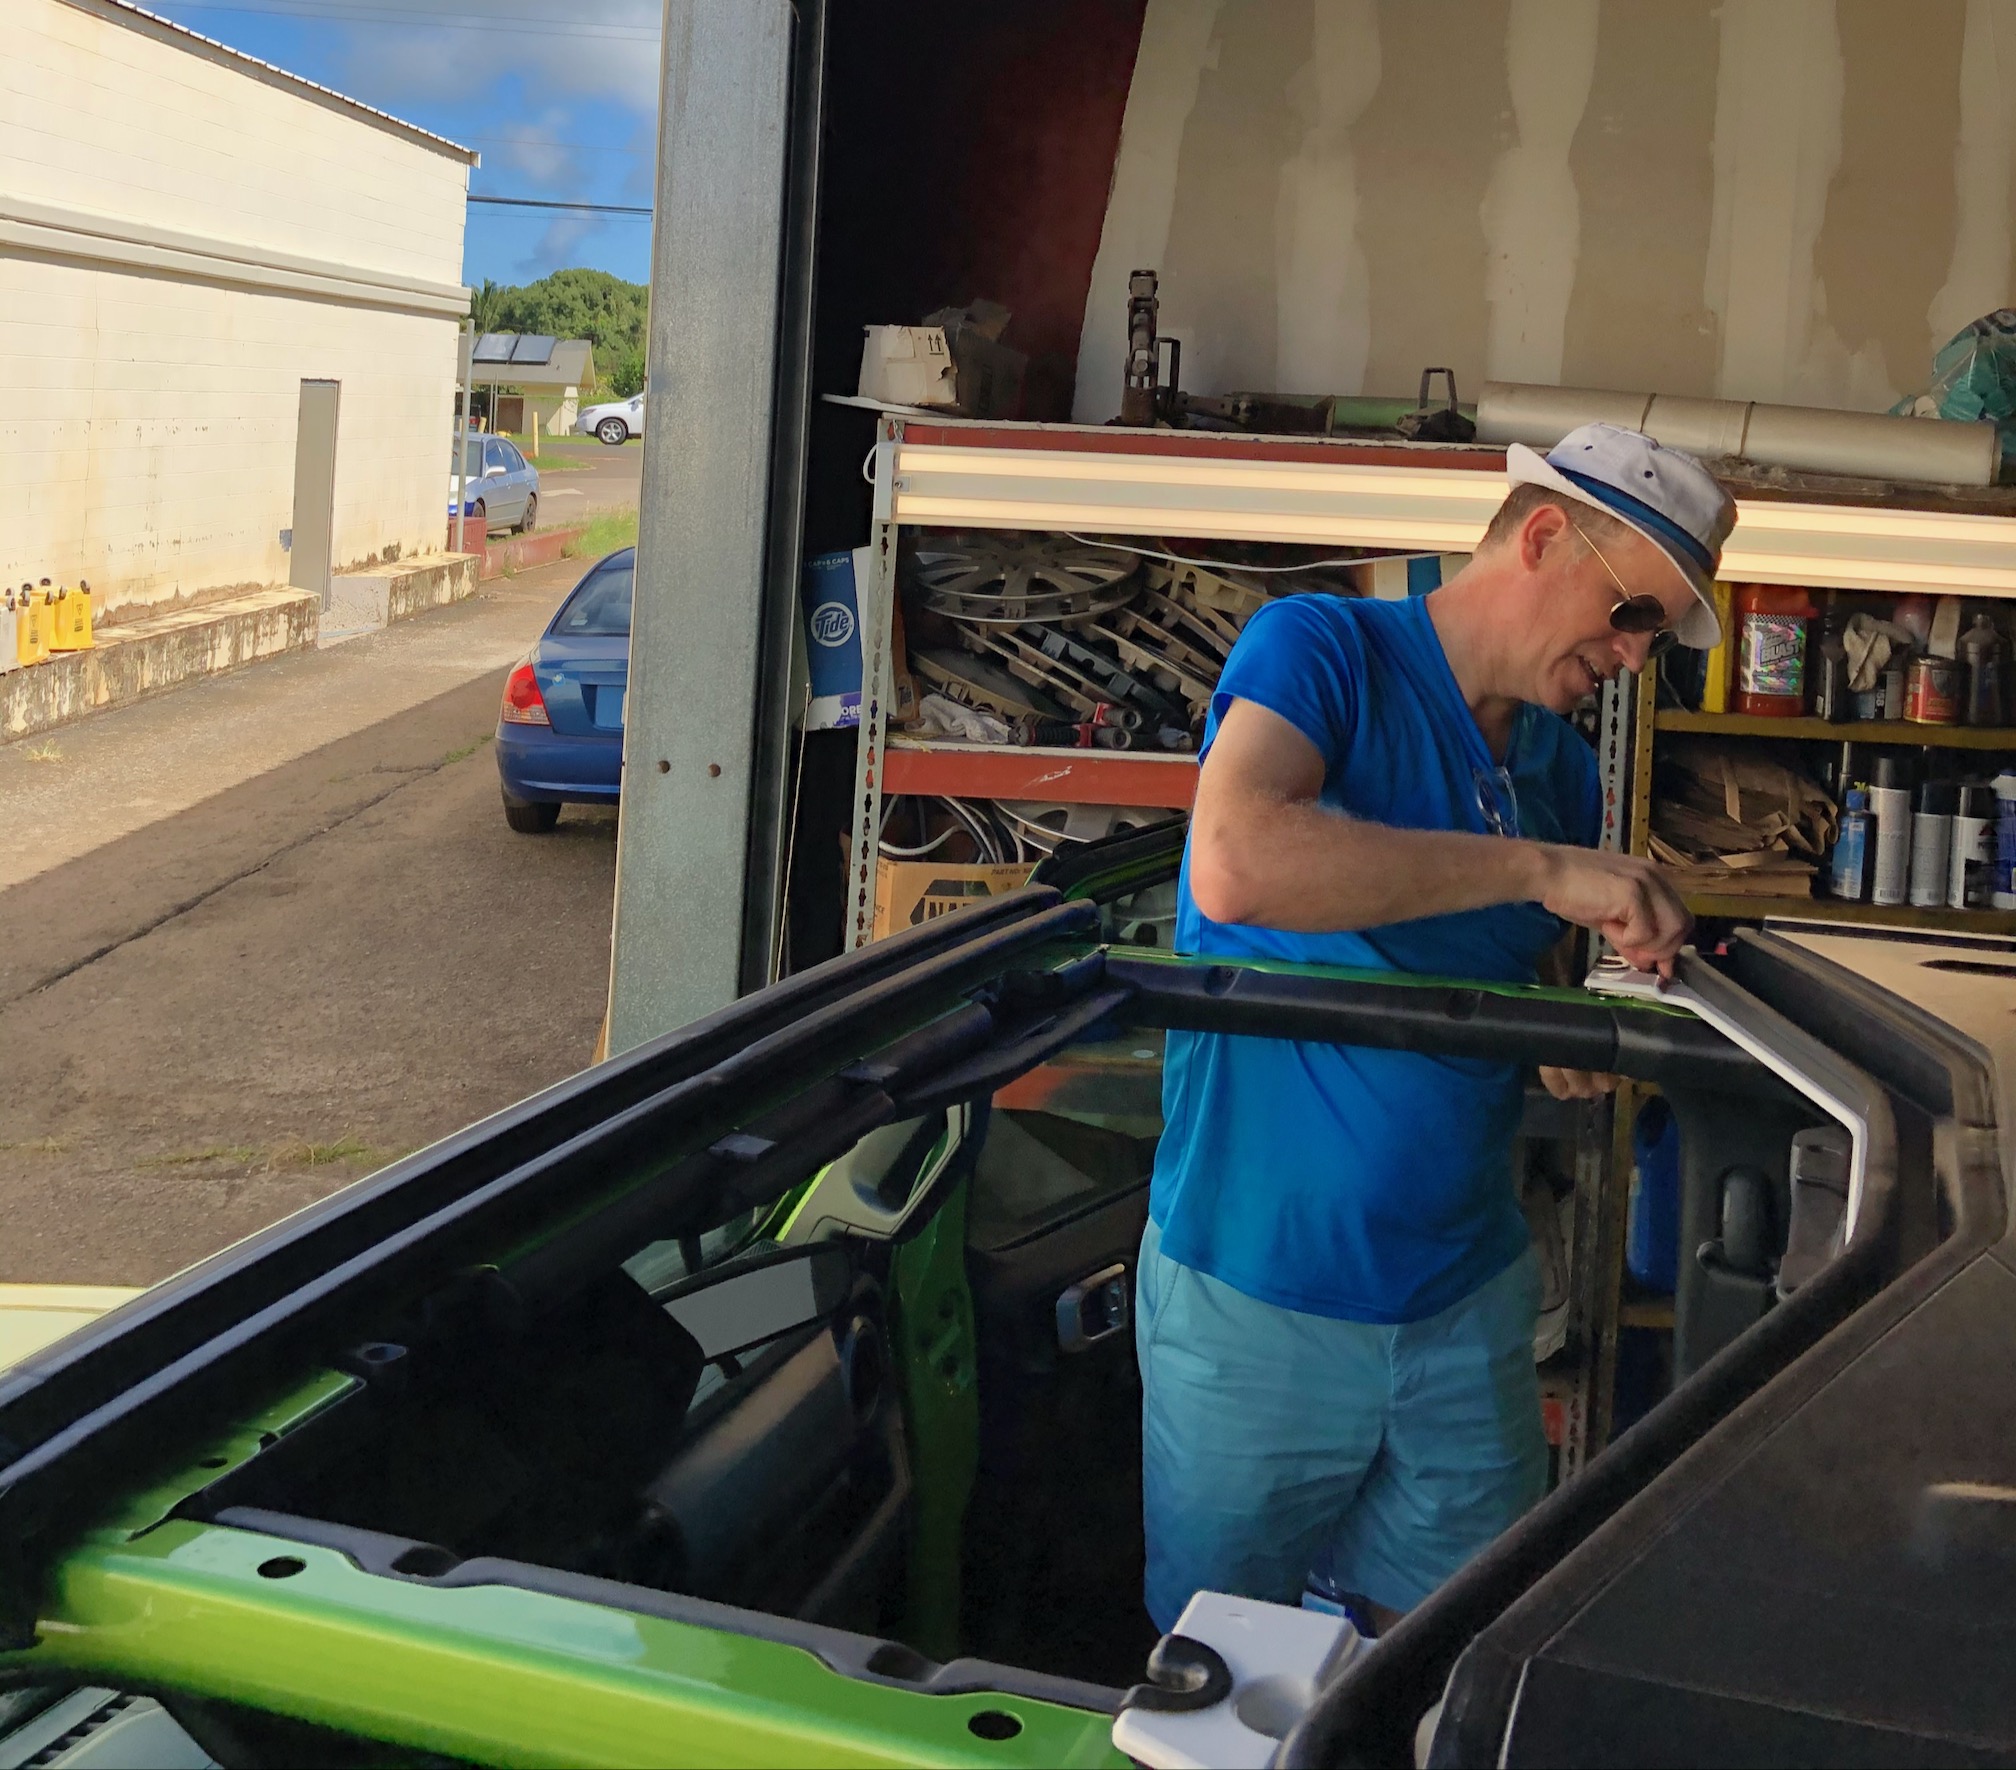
[(1275, 1659)]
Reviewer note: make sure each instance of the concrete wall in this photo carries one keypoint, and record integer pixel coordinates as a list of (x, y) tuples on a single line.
[(1764, 199), (183, 239)]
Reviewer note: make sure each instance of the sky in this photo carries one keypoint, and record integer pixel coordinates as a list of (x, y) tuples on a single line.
[(559, 96)]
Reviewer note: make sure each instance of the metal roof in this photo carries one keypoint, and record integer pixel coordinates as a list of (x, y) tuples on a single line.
[(125, 12)]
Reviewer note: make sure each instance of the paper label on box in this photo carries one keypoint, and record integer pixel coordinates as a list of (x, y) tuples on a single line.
[(833, 639)]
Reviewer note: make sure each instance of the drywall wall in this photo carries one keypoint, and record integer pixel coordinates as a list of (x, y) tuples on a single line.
[(1763, 199)]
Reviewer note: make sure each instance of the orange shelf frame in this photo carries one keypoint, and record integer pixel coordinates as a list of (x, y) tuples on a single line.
[(1070, 777)]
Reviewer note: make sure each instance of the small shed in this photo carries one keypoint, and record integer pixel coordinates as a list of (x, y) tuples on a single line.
[(544, 375)]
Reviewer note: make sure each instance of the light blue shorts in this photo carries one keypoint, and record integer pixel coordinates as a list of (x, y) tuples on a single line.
[(1276, 1443)]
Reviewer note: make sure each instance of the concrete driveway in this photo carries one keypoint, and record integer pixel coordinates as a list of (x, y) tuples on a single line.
[(261, 935)]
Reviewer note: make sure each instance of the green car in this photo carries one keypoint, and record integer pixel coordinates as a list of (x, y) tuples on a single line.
[(767, 1395)]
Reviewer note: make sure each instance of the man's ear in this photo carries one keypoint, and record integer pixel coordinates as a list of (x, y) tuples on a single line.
[(1545, 531)]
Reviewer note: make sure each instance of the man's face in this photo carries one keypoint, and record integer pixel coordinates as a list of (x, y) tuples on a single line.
[(1573, 648)]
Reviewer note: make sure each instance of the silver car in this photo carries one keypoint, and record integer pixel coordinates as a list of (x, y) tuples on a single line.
[(502, 490)]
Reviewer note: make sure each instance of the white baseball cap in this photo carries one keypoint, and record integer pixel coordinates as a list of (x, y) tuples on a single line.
[(1665, 494)]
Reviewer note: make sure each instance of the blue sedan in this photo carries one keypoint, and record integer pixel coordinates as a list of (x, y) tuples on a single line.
[(560, 733)]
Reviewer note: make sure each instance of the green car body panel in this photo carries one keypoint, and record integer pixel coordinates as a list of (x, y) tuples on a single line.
[(151, 1598)]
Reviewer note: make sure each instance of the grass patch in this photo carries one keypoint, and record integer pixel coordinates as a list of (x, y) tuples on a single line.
[(272, 1157), (237, 1154), (467, 750), (604, 532), (37, 1146), (558, 454), (320, 1155), (43, 753)]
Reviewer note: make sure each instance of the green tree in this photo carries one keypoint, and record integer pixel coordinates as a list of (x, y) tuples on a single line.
[(610, 313), (486, 304)]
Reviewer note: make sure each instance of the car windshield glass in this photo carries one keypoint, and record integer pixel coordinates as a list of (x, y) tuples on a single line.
[(602, 602), (472, 458)]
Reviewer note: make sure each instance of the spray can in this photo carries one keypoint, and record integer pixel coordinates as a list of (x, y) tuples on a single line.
[(1970, 880), (1848, 872), (1890, 805), (1932, 843), (2004, 895)]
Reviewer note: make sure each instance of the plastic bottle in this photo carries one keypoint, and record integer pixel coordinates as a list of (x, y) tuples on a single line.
[(1832, 699), (1914, 615), (2004, 895), (31, 629), (1981, 659), (1652, 1232), (1932, 843), (10, 649), (1970, 878), (1890, 807), (1771, 621), (1848, 872)]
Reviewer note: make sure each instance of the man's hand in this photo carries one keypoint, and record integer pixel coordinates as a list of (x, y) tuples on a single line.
[(1625, 899), (1576, 1084)]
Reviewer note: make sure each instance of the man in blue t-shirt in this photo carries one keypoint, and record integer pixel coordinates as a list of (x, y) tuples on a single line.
[(1336, 1293)]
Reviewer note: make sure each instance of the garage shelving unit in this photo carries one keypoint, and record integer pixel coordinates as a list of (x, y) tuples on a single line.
[(1392, 497)]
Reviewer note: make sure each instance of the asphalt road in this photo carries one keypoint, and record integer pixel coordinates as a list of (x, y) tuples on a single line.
[(260, 935), (580, 479)]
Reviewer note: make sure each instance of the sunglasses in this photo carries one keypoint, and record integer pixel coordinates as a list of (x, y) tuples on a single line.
[(1634, 614)]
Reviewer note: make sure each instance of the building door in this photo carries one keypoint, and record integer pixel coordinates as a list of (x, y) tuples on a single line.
[(315, 487)]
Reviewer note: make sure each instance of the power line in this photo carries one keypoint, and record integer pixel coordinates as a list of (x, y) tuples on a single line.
[(558, 203), (429, 19), (579, 147)]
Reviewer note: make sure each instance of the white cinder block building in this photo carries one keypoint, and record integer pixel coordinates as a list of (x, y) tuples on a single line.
[(187, 236)]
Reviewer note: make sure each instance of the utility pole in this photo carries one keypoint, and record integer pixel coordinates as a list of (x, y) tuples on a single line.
[(698, 874), (465, 367)]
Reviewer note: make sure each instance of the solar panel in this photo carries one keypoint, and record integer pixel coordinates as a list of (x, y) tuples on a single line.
[(533, 348), (494, 347)]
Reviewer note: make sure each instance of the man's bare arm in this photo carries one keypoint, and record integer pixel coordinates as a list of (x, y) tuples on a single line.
[(1264, 851)]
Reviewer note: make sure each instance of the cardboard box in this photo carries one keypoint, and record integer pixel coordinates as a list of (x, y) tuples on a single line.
[(911, 892), (908, 366), (833, 637)]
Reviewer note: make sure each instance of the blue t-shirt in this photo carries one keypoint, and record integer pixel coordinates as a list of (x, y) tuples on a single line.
[(1340, 1181)]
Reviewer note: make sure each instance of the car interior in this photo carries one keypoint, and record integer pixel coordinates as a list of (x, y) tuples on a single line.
[(799, 1407)]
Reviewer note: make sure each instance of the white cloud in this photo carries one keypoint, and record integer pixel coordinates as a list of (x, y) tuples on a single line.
[(538, 148), (560, 245)]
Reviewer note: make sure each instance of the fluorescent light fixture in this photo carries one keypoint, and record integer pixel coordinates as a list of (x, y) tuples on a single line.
[(1432, 511)]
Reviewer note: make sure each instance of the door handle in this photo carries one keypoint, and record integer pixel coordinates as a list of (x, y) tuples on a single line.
[(1094, 1309)]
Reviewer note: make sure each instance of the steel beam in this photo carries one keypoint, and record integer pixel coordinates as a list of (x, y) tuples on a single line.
[(694, 760)]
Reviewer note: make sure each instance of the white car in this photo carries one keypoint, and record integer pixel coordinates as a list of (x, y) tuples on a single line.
[(615, 423)]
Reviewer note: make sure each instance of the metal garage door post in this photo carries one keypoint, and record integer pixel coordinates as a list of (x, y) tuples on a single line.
[(704, 728)]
